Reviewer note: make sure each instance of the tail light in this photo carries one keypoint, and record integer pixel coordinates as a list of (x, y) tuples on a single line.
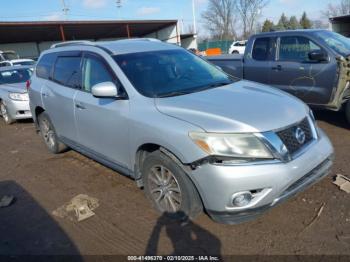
[(27, 84)]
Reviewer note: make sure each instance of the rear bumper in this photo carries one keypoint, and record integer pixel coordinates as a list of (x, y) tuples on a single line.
[(18, 109)]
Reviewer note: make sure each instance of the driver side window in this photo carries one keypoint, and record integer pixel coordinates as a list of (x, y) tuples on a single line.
[(296, 48), (94, 72)]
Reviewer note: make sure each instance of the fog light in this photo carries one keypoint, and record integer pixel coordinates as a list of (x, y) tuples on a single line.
[(242, 199)]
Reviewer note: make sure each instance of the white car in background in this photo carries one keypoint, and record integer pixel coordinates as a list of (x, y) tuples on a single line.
[(17, 62), (238, 47), (14, 100), (8, 55)]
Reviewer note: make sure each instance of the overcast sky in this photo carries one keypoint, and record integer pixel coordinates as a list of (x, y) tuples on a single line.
[(141, 9)]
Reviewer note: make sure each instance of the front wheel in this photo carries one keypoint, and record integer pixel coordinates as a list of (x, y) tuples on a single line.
[(5, 114), (49, 135), (168, 187)]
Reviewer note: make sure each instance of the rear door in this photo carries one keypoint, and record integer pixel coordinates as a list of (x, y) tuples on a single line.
[(257, 62), (102, 123), (294, 73), (58, 93)]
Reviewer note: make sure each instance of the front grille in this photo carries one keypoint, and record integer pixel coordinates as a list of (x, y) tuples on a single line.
[(289, 139)]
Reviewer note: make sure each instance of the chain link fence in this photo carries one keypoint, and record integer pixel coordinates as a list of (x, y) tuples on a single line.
[(224, 45)]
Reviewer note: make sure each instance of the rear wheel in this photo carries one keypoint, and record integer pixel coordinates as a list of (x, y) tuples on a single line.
[(49, 135), (168, 187), (5, 114), (235, 52)]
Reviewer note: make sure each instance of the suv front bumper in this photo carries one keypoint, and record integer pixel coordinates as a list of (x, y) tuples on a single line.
[(276, 182)]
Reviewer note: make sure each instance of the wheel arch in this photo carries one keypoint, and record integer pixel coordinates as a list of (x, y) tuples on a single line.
[(38, 110), (144, 150)]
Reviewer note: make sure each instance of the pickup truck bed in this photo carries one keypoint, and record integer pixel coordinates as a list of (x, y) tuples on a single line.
[(231, 64)]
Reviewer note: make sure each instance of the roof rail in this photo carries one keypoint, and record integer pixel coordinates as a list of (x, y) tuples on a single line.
[(69, 43), (143, 39)]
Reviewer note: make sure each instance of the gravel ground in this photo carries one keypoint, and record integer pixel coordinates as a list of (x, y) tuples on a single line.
[(125, 222)]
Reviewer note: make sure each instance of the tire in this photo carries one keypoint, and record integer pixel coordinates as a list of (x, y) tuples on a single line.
[(169, 189), (5, 115), (49, 135), (347, 111), (235, 52)]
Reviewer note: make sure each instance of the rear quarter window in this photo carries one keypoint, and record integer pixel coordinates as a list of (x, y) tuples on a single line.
[(45, 64)]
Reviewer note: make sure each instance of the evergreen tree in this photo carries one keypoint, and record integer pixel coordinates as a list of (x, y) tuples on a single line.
[(293, 23), (268, 26), (305, 22), (283, 23)]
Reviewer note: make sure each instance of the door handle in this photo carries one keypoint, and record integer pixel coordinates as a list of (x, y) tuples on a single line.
[(277, 68), (79, 106)]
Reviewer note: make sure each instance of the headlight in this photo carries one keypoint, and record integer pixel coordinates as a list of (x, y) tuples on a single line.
[(231, 145), (19, 96)]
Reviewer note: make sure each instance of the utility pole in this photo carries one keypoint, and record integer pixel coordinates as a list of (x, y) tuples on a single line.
[(194, 17), (119, 6), (65, 10)]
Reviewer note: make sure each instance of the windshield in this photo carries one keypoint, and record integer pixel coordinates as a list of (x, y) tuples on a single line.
[(10, 56), (337, 42), (170, 72), (15, 76)]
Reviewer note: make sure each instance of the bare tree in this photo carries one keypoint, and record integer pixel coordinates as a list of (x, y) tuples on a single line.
[(249, 11), (220, 18), (341, 8)]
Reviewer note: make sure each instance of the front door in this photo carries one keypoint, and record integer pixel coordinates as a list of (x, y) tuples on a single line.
[(294, 73), (102, 123)]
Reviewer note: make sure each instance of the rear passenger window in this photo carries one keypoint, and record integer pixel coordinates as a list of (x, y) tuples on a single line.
[(95, 72), (262, 49), (67, 71), (44, 66)]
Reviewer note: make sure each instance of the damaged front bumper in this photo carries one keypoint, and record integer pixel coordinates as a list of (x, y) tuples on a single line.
[(269, 184)]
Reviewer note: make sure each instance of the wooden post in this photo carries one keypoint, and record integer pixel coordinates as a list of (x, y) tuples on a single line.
[(128, 30), (62, 33)]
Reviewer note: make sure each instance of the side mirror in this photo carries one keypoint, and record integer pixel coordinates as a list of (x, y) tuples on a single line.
[(105, 89), (318, 56)]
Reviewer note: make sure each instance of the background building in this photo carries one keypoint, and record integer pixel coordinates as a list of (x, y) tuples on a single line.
[(341, 24), (29, 39)]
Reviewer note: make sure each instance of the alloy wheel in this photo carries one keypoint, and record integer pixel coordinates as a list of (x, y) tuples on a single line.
[(164, 189), (48, 133), (4, 112)]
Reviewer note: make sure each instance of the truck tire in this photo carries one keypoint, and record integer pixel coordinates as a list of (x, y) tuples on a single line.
[(5, 115), (169, 189), (347, 111), (49, 135)]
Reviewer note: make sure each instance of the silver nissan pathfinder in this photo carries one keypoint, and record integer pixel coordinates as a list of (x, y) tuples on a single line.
[(193, 137)]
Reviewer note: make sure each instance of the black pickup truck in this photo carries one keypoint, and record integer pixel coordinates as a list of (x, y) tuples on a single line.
[(313, 65)]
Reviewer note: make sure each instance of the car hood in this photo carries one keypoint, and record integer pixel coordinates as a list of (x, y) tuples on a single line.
[(243, 106), (15, 88)]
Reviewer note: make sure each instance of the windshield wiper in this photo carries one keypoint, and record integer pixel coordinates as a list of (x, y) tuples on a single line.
[(175, 93), (218, 84), (201, 88)]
